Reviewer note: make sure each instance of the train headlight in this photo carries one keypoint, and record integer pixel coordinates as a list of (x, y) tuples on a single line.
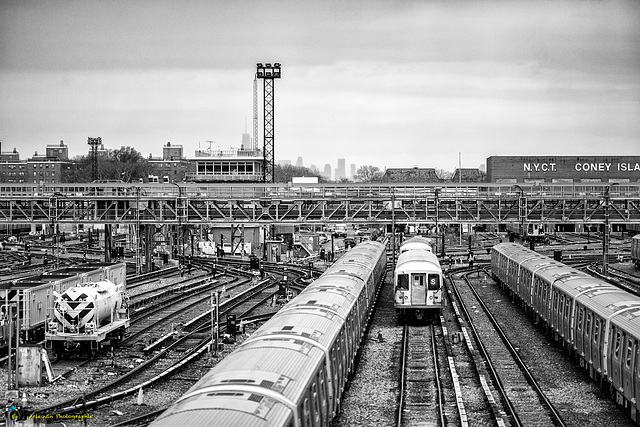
[(53, 327), (90, 328)]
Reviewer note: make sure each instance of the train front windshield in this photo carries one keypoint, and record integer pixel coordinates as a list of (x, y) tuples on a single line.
[(403, 281), (434, 282)]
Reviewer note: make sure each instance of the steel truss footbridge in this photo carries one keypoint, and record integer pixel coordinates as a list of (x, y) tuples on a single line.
[(188, 204)]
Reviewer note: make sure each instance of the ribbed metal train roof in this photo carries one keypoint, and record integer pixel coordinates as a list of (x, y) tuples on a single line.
[(418, 260), (231, 409)]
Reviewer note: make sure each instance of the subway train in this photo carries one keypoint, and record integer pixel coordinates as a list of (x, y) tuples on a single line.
[(635, 250), (597, 323), (417, 242), (86, 315), (533, 232), (293, 370), (417, 280), (633, 228)]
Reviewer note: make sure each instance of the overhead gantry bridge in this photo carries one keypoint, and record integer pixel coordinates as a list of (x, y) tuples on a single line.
[(188, 204)]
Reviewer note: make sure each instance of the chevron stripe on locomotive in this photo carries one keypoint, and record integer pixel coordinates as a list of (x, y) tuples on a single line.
[(90, 313)]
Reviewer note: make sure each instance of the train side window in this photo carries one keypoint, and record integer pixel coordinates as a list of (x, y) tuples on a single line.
[(629, 351), (334, 356), (587, 329), (555, 302), (306, 418), (323, 390), (596, 330), (616, 352), (340, 356), (434, 282), (567, 307), (403, 281), (316, 406)]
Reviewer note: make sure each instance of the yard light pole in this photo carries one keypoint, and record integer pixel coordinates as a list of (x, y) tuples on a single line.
[(606, 232), (137, 231), (393, 227), (179, 217), (520, 213)]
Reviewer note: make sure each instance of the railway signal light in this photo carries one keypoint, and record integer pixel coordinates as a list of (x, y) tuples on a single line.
[(231, 324)]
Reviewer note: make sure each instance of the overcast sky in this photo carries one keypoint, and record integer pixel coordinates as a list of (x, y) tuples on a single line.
[(384, 83)]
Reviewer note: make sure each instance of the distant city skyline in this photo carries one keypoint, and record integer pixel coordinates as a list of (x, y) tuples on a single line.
[(337, 170)]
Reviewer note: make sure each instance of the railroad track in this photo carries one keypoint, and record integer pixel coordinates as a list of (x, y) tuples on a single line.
[(165, 362), (524, 401), (421, 399), (172, 351), (139, 297), (146, 321), (142, 279), (618, 278)]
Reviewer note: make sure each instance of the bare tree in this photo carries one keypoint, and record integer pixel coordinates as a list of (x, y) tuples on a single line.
[(443, 174), (368, 173)]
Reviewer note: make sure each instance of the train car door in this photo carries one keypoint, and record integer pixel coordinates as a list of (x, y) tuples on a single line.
[(418, 289), (546, 302), (579, 344), (535, 297), (596, 350), (554, 312), (627, 367), (587, 337), (615, 373), (324, 406), (566, 329)]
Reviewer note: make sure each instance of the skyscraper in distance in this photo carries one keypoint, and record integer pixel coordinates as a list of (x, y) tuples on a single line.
[(299, 162), (340, 170), (327, 171), (246, 141)]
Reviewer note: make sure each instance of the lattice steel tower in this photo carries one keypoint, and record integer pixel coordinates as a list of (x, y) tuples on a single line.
[(94, 142), (268, 73)]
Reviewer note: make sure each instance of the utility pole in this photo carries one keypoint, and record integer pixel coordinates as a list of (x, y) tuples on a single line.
[(268, 73)]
